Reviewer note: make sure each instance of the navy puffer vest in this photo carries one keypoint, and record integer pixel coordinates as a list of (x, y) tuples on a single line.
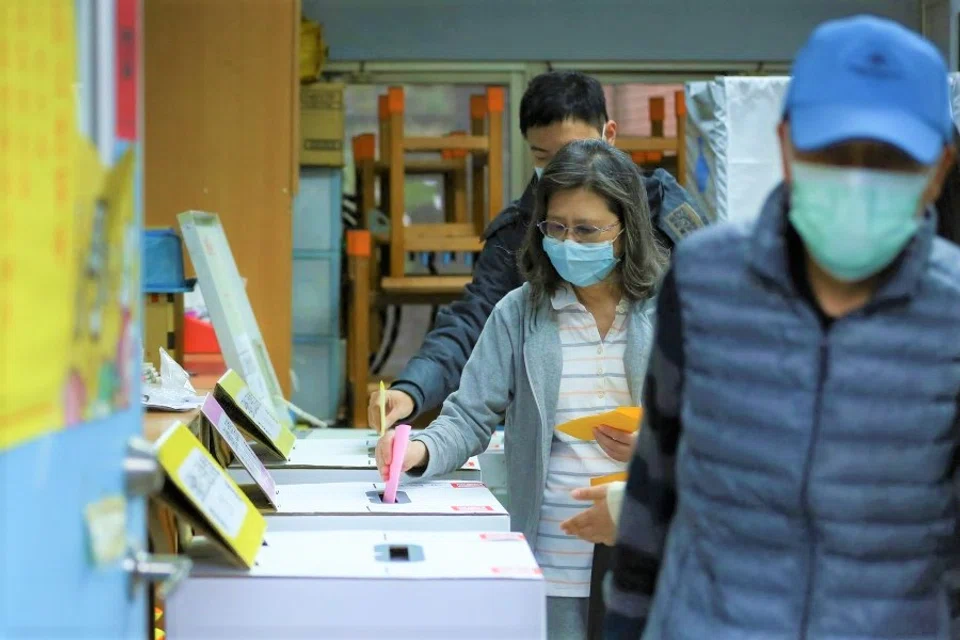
[(816, 469)]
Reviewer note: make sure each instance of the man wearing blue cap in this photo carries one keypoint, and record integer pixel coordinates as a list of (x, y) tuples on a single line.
[(795, 474)]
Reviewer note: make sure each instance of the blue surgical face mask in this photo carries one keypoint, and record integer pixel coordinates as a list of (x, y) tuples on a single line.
[(582, 265), (853, 221)]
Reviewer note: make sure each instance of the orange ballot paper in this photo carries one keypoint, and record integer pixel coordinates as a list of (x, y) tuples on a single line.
[(620, 476), (625, 419)]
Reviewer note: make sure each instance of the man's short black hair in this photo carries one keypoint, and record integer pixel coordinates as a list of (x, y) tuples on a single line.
[(557, 96)]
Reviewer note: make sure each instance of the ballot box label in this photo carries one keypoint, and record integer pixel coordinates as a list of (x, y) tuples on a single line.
[(254, 408), (475, 508), (516, 571), (501, 537), (467, 485), (238, 444), (212, 492)]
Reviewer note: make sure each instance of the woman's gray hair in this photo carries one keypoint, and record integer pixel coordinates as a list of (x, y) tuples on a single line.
[(611, 174)]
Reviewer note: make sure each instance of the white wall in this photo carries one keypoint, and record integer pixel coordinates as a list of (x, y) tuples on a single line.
[(587, 30)]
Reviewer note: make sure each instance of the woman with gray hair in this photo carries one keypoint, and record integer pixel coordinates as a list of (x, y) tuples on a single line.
[(571, 342)]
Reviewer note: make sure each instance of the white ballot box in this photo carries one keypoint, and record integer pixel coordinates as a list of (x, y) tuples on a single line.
[(425, 506), (332, 459), (494, 465), (367, 585)]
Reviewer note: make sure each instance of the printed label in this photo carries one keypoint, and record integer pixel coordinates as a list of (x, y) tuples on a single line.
[(212, 492), (501, 537), (255, 409), (107, 526), (245, 454), (467, 485), (516, 571), (250, 368), (471, 464), (472, 508)]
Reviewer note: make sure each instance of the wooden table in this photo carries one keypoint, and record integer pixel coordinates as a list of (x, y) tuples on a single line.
[(156, 422)]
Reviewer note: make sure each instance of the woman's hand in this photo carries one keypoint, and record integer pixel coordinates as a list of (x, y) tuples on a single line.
[(615, 443), (595, 524), (416, 455)]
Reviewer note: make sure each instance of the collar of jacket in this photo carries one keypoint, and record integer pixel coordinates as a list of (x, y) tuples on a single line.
[(768, 252)]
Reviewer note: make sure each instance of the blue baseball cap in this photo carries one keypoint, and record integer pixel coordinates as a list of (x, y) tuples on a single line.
[(866, 78)]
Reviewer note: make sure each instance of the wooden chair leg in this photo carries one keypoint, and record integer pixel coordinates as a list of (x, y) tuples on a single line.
[(478, 127), (358, 333), (657, 116), (680, 109), (364, 159), (398, 255), (495, 105)]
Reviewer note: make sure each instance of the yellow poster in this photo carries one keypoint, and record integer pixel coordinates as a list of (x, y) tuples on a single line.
[(37, 196), (68, 280)]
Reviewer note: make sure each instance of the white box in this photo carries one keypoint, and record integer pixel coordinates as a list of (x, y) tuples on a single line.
[(732, 145), (463, 586), (321, 460), (423, 506), (494, 465)]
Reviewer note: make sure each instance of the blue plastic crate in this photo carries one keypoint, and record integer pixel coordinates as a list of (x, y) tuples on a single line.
[(316, 294), (320, 369), (163, 262), (317, 224)]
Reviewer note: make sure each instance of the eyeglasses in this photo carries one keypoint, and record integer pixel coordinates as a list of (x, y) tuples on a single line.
[(580, 233)]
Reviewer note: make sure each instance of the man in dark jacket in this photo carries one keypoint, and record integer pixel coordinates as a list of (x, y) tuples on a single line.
[(796, 473), (556, 108)]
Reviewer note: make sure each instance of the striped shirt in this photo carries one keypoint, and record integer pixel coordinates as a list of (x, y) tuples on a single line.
[(593, 380)]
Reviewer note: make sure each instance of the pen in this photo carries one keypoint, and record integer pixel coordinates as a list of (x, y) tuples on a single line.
[(383, 408)]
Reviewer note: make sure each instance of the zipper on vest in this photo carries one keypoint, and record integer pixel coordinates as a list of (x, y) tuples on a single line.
[(804, 492)]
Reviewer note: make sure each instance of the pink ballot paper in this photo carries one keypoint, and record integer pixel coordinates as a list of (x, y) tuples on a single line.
[(400, 440)]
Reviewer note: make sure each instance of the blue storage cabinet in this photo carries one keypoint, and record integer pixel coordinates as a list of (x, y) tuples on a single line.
[(317, 357)]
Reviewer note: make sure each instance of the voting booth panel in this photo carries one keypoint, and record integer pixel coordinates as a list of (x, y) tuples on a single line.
[(223, 291), (955, 97), (314, 585), (732, 143)]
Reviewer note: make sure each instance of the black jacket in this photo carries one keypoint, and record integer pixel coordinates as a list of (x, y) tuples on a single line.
[(434, 372)]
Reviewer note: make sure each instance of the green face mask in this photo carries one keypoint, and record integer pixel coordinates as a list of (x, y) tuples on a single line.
[(854, 221)]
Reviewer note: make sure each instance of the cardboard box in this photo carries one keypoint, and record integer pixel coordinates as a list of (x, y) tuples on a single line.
[(424, 506), (163, 327), (321, 124), (346, 459), (368, 585)]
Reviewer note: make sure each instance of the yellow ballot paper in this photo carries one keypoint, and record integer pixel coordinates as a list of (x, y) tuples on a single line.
[(200, 491), (252, 415), (625, 419), (620, 476), (383, 408)]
